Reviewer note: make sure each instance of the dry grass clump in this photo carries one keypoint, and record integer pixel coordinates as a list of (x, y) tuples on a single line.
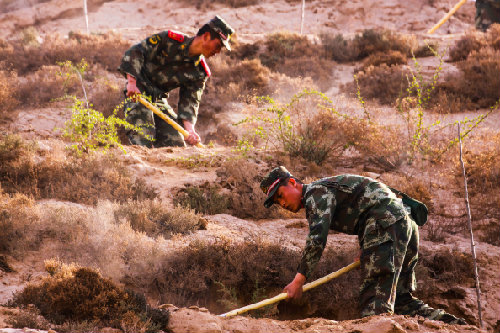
[(155, 219), (226, 275), (23, 58), (483, 179), (204, 199), (295, 56), (238, 80), (367, 43), (83, 180), (82, 294), (15, 213), (8, 89), (389, 58), (475, 41), (384, 83)]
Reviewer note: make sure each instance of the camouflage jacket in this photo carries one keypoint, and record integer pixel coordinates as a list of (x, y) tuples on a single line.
[(161, 63), (351, 204)]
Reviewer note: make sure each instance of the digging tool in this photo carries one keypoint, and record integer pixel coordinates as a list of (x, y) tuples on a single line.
[(166, 118), (447, 16), (283, 296)]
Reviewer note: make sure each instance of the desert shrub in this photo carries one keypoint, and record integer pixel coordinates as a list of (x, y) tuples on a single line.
[(310, 128), (294, 55), (483, 178), (13, 209), (244, 273), (82, 294), (480, 80), (83, 180), (8, 90), (384, 83), (464, 46), (233, 80), (338, 48), (389, 58), (29, 316), (154, 218), (367, 43), (204, 199), (24, 59)]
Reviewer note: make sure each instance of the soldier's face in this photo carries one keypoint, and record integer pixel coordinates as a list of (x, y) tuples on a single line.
[(210, 46), (289, 196)]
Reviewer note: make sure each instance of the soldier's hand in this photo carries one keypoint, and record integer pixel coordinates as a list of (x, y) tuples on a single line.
[(294, 288), (132, 89), (193, 137)]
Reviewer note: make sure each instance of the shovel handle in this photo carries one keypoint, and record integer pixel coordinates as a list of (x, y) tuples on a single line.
[(163, 116), (283, 296)]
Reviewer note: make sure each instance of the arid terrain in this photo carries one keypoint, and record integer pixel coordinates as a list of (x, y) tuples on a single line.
[(97, 235)]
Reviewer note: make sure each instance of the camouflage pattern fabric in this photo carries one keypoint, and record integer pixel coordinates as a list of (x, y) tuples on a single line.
[(487, 13), (161, 63), (348, 204), (387, 235)]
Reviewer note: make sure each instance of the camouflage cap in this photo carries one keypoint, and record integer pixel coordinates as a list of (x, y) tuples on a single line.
[(224, 30), (272, 182)]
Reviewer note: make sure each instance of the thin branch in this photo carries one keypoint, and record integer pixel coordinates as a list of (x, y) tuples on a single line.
[(472, 243)]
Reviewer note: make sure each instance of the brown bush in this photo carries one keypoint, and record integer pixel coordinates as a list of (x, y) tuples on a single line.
[(464, 46), (483, 178), (367, 43), (23, 59), (384, 83), (154, 218), (240, 274), (480, 80), (203, 199), (82, 180), (8, 89), (82, 294), (295, 56), (388, 58)]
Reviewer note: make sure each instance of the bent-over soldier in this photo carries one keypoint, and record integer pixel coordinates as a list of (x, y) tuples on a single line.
[(163, 62), (388, 237)]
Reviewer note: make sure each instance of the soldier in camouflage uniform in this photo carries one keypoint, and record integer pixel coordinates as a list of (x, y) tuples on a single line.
[(487, 13), (388, 237), (163, 62)]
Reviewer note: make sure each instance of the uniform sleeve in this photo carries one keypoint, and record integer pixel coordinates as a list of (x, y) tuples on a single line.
[(320, 206), (137, 57), (189, 100)]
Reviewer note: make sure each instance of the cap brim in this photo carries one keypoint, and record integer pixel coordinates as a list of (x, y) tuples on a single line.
[(270, 198)]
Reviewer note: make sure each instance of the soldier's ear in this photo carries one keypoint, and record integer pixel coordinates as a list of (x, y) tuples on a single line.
[(292, 181)]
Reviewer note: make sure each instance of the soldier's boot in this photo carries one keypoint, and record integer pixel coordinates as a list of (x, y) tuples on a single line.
[(140, 116), (406, 304)]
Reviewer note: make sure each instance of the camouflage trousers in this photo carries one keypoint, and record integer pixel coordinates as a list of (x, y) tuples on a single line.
[(152, 125), (388, 261), (487, 13)]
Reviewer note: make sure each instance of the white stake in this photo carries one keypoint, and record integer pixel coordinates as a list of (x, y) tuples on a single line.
[(86, 15), (472, 243), (302, 16)]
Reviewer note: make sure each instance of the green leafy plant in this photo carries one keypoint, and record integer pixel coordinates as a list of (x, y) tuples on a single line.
[(303, 127), (89, 129)]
